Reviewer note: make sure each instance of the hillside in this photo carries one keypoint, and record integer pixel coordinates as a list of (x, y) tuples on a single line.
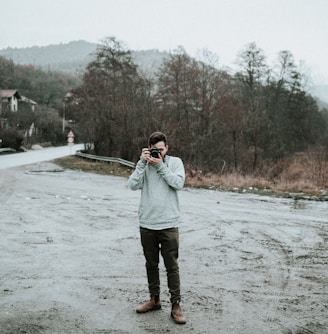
[(69, 57), (74, 56)]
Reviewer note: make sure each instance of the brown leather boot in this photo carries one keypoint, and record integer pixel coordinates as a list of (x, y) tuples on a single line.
[(152, 305), (177, 315)]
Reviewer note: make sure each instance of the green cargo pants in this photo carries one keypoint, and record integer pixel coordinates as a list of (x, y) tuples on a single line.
[(167, 242)]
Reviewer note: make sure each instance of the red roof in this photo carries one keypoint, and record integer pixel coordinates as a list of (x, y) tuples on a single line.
[(9, 93)]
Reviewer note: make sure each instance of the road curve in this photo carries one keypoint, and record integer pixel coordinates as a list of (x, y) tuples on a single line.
[(30, 157)]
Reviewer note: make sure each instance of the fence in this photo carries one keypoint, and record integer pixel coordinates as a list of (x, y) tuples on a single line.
[(107, 159), (5, 149)]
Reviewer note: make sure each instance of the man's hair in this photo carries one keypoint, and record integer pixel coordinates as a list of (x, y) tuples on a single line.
[(156, 137)]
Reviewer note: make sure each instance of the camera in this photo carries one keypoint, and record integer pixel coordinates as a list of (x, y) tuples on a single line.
[(155, 152)]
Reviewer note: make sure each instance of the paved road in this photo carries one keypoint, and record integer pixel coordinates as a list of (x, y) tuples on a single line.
[(26, 158)]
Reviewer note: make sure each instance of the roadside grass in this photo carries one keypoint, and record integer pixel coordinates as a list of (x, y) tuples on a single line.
[(98, 167), (302, 177)]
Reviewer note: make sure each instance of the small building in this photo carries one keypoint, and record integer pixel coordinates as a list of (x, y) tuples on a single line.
[(32, 103), (9, 100)]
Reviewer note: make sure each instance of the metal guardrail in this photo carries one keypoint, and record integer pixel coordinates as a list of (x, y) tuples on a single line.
[(7, 149), (107, 159)]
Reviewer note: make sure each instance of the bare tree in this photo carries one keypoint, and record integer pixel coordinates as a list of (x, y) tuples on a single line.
[(251, 79), (113, 99), (190, 101)]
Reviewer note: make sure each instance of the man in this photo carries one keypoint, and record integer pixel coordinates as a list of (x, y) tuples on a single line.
[(159, 177)]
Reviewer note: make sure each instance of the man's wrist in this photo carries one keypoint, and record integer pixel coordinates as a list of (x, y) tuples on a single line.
[(142, 161), (159, 165)]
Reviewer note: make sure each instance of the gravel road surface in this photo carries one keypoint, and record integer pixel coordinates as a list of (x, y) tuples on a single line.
[(71, 259)]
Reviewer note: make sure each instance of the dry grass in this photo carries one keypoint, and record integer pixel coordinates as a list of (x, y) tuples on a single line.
[(303, 176), (305, 173), (91, 166)]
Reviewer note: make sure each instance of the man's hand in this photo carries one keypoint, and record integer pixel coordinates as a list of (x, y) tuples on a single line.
[(154, 161), (145, 154)]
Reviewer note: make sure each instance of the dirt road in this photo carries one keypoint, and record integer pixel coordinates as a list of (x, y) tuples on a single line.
[(71, 260)]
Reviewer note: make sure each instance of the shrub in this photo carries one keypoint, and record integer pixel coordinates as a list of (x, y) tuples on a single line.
[(11, 138)]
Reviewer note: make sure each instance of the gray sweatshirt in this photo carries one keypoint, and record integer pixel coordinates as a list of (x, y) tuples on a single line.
[(159, 203)]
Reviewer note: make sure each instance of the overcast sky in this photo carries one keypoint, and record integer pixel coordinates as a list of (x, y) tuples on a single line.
[(224, 27)]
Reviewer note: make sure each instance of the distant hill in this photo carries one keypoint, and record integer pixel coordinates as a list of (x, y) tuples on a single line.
[(74, 56), (69, 57)]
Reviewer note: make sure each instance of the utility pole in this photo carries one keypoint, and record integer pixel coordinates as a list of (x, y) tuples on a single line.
[(64, 111)]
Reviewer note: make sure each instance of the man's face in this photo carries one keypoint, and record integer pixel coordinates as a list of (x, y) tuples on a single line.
[(161, 145)]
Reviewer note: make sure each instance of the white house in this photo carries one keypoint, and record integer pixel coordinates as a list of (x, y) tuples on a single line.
[(9, 100)]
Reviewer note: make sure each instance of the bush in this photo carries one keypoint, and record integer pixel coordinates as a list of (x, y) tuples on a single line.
[(11, 138)]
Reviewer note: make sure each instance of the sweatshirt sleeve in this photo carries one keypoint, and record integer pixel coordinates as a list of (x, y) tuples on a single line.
[(136, 179), (174, 175)]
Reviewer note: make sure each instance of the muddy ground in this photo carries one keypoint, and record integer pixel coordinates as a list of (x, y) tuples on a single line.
[(71, 260)]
